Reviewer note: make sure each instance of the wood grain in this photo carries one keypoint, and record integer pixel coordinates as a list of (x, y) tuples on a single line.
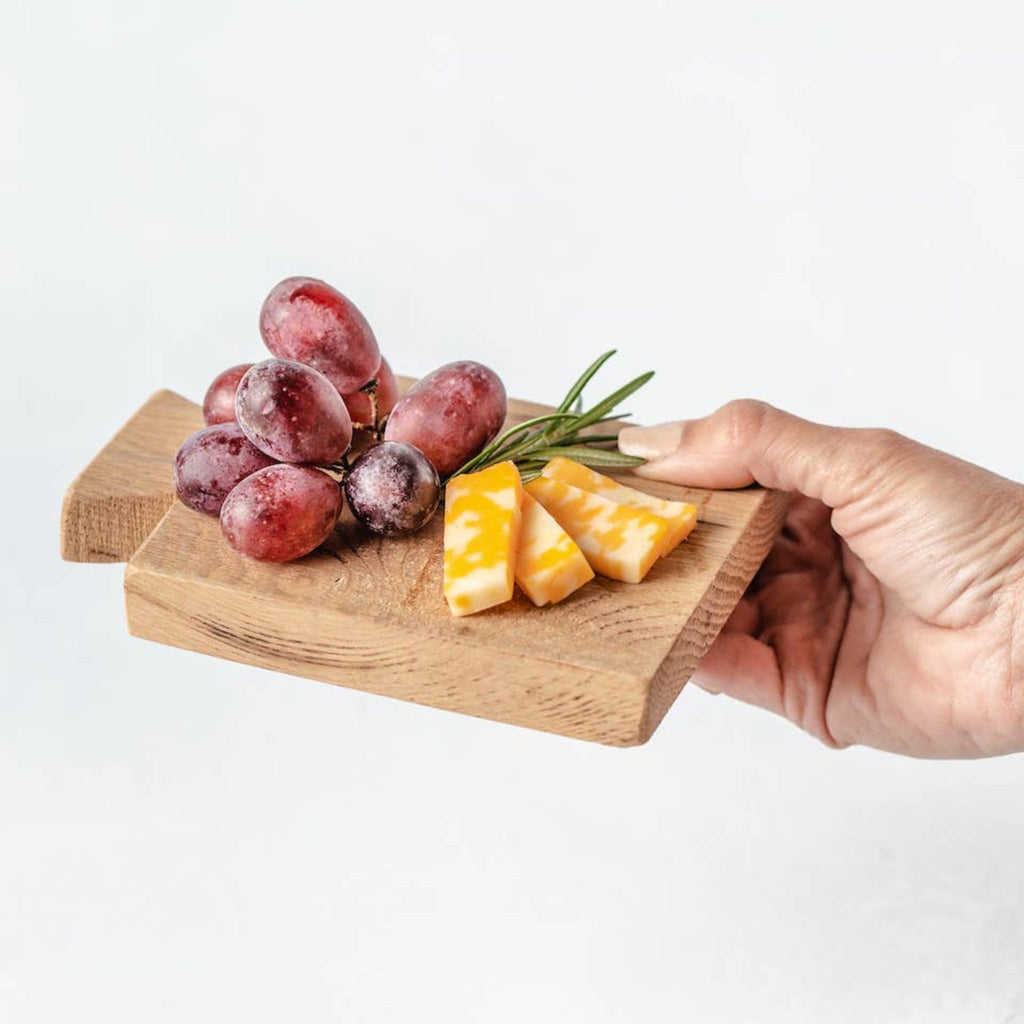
[(604, 665), (115, 502)]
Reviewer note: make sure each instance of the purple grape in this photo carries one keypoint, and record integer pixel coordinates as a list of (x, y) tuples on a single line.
[(392, 488), (306, 319), (219, 403), (281, 512), (450, 414), (211, 462), (293, 413)]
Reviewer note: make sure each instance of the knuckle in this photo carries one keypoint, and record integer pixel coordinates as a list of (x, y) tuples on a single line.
[(885, 439), (743, 420), (880, 461), (885, 446)]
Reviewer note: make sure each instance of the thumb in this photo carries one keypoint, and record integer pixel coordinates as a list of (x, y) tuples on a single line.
[(748, 442), (944, 535)]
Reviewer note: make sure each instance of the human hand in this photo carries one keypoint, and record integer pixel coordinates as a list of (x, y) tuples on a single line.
[(890, 611)]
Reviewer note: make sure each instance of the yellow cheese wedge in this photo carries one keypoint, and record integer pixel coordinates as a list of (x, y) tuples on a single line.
[(482, 515), (682, 517), (618, 541), (549, 565)]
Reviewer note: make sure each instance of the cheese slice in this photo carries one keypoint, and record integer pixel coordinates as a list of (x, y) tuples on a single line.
[(681, 516), (549, 565), (482, 515), (618, 541)]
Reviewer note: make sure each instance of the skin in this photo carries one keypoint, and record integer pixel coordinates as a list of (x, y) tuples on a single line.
[(890, 611)]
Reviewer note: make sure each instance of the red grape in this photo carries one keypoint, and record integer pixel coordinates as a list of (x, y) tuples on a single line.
[(211, 462), (281, 512), (293, 413), (219, 403), (387, 394), (392, 488), (450, 414), (309, 321)]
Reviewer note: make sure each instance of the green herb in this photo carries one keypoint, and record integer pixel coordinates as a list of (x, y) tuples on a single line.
[(533, 443)]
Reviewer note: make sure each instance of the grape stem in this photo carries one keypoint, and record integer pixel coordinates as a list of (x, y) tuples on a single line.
[(370, 390), (342, 466)]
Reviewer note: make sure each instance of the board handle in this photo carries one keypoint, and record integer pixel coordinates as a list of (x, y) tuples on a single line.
[(115, 503)]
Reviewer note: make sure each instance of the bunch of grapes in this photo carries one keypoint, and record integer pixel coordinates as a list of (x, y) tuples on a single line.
[(280, 433)]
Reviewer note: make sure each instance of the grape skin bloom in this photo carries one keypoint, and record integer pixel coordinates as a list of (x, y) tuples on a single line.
[(293, 413), (211, 462), (306, 319), (219, 401), (450, 414), (281, 513), (393, 489)]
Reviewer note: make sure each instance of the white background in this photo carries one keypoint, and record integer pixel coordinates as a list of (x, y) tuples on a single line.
[(821, 204)]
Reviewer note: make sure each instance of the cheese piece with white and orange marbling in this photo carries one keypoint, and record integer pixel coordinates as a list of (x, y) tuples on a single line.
[(482, 516), (550, 565), (681, 516), (619, 542)]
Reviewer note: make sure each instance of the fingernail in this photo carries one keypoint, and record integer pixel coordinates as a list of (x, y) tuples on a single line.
[(651, 442)]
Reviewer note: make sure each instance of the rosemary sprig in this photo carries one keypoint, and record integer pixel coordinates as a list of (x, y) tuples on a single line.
[(575, 393), (594, 439), (596, 457), (504, 446), (536, 441)]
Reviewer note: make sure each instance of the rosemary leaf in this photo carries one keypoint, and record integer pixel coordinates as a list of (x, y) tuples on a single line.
[(589, 439), (577, 389), (604, 407), (587, 456), (612, 419), (514, 440), (495, 451)]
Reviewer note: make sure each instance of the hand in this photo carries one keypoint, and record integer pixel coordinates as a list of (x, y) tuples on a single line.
[(891, 610)]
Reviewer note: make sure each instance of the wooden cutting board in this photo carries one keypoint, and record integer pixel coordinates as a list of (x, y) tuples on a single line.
[(367, 613)]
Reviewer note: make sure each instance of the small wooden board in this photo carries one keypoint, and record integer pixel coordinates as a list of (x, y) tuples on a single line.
[(604, 665)]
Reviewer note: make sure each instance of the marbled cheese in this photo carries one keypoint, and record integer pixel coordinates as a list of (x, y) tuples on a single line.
[(681, 516), (618, 541), (550, 564), (482, 515)]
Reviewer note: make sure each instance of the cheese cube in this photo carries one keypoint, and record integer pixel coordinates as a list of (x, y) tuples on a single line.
[(681, 516), (618, 541), (549, 565), (481, 537)]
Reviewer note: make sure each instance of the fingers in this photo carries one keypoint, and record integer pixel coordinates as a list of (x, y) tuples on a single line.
[(748, 442), (748, 669), (745, 618), (744, 668), (779, 646), (739, 665)]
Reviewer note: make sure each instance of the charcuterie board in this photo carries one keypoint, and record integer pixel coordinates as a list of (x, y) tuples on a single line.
[(367, 613)]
